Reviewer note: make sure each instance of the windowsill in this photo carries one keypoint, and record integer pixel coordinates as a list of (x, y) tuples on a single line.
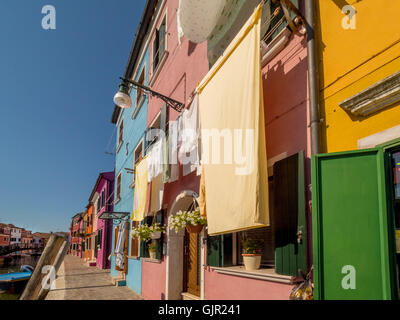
[(152, 260), (116, 201), (158, 68), (139, 106), (261, 274), (120, 145), (134, 257), (132, 185)]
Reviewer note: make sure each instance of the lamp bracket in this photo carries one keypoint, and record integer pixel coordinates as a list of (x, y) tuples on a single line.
[(176, 105)]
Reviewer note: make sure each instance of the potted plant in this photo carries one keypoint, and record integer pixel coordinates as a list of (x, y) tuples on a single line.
[(156, 230), (252, 250), (193, 221), (153, 250), (146, 232)]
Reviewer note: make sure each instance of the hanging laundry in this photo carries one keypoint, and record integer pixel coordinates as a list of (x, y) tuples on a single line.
[(166, 160), (189, 137), (202, 196), (179, 24), (233, 17), (173, 150), (198, 18), (157, 192), (231, 99), (141, 186), (120, 246), (155, 160)]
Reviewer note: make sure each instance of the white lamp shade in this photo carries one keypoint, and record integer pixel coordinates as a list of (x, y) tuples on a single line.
[(198, 18), (123, 100)]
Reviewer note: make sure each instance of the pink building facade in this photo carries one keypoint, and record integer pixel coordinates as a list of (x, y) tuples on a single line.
[(176, 67), (180, 68)]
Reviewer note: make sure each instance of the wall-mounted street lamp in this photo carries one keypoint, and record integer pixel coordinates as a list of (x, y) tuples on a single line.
[(123, 100)]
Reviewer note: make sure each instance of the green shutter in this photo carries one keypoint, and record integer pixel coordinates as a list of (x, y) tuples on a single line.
[(160, 219), (351, 226), (214, 249), (289, 216)]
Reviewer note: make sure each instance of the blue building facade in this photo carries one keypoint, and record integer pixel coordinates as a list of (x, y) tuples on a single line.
[(129, 147)]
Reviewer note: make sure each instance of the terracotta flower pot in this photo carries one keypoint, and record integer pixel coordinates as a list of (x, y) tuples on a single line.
[(194, 228), (251, 261)]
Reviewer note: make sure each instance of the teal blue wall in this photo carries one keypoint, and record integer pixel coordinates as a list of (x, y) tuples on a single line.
[(134, 130)]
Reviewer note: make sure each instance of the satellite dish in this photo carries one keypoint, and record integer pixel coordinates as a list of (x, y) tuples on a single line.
[(198, 18)]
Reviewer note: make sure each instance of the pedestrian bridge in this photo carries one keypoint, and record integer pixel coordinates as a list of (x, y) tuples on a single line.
[(20, 247)]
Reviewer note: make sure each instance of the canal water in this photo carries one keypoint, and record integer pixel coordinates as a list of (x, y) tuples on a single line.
[(13, 264)]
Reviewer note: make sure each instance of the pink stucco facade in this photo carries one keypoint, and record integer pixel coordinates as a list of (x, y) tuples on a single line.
[(287, 132), (184, 68), (227, 287)]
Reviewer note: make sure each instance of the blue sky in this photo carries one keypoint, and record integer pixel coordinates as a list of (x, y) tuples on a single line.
[(56, 90)]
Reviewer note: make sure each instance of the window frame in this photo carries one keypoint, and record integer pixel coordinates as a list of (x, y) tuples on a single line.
[(118, 192), (156, 36), (216, 248), (120, 134), (140, 94)]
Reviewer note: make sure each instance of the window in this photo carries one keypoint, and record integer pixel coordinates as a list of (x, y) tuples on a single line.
[(121, 134), (139, 92), (139, 152), (159, 44), (118, 195), (100, 238), (103, 198), (138, 156), (98, 204), (152, 134), (144, 250), (283, 248), (279, 22), (134, 242)]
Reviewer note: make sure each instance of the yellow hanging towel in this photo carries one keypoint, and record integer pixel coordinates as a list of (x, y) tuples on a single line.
[(141, 185), (231, 103)]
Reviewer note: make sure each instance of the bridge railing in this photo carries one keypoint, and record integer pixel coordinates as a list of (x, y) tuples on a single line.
[(20, 247)]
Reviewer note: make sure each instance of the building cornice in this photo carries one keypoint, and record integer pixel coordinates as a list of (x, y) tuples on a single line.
[(375, 98)]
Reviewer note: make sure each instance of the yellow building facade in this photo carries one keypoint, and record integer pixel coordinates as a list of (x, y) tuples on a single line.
[(356, 176), (358, 44)]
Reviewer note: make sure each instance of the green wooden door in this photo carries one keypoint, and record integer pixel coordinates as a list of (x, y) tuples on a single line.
[(289, 216), (350, 226)]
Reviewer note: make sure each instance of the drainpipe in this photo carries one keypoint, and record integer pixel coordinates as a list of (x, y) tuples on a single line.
[(312, 78)]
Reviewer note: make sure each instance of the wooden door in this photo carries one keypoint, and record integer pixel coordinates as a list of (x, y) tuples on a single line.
[(192, 263)]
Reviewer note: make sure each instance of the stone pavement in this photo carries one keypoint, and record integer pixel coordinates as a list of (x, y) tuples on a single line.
[(77, 281)]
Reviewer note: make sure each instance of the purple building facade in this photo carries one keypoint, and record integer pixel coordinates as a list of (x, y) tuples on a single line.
[(103, 195)]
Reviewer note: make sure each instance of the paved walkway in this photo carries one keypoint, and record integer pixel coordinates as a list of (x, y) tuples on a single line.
[(77, 281)]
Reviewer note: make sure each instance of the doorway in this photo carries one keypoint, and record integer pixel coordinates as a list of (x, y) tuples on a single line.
[(192, 262), (394, 179), (180, 247)]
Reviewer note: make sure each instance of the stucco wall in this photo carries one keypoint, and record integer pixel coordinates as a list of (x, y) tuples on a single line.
[(154, 278), (352, 60), (134, 130), (226, 287), (184, 68)]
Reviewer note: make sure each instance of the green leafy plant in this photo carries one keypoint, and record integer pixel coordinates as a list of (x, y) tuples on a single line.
[(145, 231), (153, 246), (252, 246), (184, 218)]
